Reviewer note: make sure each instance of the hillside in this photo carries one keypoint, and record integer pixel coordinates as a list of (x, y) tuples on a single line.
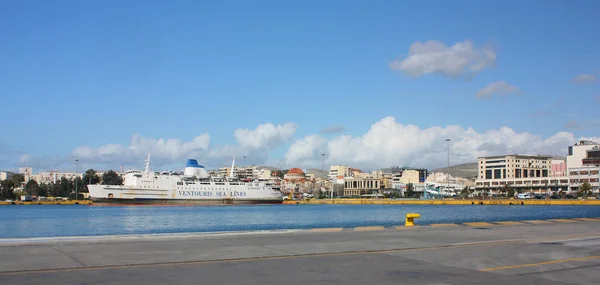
[(466, 170)]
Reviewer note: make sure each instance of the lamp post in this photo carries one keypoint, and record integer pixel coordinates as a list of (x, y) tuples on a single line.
[(323, 169), (76, 172), (448, 168)]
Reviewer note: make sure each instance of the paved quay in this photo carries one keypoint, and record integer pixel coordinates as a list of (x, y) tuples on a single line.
[(563, 251)]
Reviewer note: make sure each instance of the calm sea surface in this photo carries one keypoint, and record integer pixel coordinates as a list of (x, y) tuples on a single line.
[(80, 220)]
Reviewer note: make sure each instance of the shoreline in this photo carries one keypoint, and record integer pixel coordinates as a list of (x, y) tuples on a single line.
[(587, 202), (583, 202)]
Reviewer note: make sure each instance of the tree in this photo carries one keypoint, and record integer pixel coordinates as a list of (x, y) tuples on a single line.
[(7, 188), (90, 177), (410, 191), (511, 192), (465, 192), (505, 190), (32, 188), (585, 189), (66, 187), (277, 173), (17, 179), (44, 190), (111, 178)]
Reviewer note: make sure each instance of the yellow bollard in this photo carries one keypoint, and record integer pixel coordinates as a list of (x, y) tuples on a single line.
[(410, 219)]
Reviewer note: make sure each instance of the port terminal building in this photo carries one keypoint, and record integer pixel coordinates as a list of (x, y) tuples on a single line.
[(541, 174)]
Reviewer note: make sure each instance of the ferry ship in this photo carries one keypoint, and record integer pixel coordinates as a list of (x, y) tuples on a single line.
[(192, 187)]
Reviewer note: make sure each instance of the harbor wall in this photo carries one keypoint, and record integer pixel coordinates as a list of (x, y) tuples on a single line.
[(448, 202)]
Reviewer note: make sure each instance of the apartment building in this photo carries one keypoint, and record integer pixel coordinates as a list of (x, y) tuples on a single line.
[(339, 172), (531, 173), (4, 175), (51, 177)]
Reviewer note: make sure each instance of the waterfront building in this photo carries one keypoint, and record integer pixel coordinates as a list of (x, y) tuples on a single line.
[(357, 186), (583, 165), (579, 154), (580, 175), (527, 173)]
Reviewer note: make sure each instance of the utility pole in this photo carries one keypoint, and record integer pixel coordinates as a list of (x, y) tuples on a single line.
[(76, 173), (448, 169)]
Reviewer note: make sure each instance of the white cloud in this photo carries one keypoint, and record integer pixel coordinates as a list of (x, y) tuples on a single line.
[(254, 144), (265, 135), (307, 151), (163, 151), (386, 143), (390, 143), (497, 88), (584, 78), (435, 57)]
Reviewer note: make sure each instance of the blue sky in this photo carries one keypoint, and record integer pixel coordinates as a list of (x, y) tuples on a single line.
[(92, 73)]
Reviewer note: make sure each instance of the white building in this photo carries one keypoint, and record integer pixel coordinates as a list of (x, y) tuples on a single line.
[(579, 152), (583, 164), (528, 173), (339, 172), (27, 173), (579, 175)]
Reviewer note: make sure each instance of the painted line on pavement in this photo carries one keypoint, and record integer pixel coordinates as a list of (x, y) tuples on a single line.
[(563, 220), (444, 225), (537, 222), (373, 228), (326, 230), (541, 263), (588, 219), (510, 223), (479, 224), (405, 227)]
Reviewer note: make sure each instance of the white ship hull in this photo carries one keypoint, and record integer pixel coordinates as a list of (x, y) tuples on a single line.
[(122, 195), (193, 187)]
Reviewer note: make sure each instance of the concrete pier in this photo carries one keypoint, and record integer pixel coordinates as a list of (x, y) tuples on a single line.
[(563, 251)]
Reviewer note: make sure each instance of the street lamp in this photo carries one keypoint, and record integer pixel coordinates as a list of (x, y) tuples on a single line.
[(76, 171), (448, 168), (323, 169)]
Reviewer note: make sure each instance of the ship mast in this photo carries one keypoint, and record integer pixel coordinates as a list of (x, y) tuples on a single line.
[(232, 166), (147, 164)]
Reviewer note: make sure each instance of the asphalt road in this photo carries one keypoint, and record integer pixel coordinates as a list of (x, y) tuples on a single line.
[(557, 252)]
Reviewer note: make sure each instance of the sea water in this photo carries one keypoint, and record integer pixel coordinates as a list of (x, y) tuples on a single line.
[(25, 221)]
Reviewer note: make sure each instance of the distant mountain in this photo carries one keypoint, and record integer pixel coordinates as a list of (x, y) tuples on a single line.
[(267, 167), (465, 170), (318, 172)]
